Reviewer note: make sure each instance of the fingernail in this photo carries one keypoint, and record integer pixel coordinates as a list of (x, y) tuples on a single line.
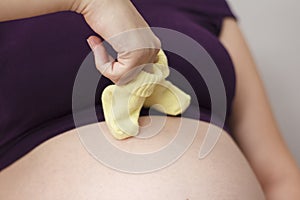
[(91, 43)]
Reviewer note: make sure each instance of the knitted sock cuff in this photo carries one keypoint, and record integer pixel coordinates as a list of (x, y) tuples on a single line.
[(145, 82)]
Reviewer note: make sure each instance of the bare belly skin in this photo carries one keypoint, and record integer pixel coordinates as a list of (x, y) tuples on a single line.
[(62, 169)]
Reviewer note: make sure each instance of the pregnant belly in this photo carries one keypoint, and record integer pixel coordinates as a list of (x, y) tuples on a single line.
[(62, 168)]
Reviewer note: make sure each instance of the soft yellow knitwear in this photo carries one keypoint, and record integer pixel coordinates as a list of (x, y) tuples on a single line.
[(122, 104)]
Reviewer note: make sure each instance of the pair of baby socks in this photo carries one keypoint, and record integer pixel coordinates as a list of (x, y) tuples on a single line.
[(122, 103)]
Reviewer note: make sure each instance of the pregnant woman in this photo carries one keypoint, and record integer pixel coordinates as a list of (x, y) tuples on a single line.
[(41, 155)]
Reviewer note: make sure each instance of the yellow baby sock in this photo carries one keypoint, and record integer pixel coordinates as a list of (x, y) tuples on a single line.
[(166, 97), (122, 104)]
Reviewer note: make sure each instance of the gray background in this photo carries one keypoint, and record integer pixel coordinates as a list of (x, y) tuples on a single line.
[(272, 29)]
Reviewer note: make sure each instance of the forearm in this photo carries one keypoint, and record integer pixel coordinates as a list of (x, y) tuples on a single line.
[(16, 9)]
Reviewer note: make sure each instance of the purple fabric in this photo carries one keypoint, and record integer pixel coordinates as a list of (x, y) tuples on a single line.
[(40, 57)]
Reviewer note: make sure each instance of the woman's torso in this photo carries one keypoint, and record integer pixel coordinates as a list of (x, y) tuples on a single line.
[(38, 106)]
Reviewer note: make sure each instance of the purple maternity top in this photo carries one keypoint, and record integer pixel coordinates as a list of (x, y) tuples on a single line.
[(40, 58)]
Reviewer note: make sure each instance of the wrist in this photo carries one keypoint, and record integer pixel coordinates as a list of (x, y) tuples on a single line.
[(82, 6), (77, 5)]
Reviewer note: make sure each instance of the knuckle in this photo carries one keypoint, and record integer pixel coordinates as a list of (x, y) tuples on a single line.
[(157, 43)]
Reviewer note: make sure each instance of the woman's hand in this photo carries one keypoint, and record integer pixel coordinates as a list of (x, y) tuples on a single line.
[(120, 24)]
